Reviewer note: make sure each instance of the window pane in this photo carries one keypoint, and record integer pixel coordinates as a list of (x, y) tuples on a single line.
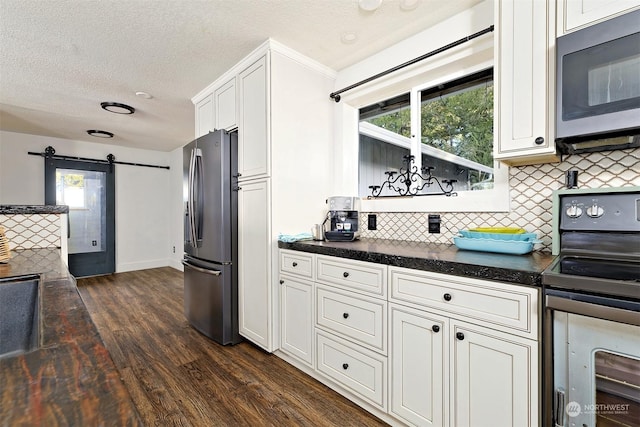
[(83, 192), (457, 134)]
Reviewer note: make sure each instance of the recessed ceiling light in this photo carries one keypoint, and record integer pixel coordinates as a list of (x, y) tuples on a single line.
[(348, 37), (409, 4), (144, 95), (100, 133), (116, 107), (369, 5)]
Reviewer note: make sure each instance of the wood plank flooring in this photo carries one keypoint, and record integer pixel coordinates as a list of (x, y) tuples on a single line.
[(178, 377)]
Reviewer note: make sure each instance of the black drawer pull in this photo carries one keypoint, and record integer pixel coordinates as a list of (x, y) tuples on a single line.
[(435, 328), (281, 281), (460, 336), (447, 297), (539, 140), (345, 274), (345, 366), (345, 315), (295, 264)]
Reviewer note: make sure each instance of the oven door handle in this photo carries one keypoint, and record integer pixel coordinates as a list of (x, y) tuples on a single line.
[(592, 309)]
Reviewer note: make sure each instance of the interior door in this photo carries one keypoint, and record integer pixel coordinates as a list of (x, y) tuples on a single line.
[(88, 189)]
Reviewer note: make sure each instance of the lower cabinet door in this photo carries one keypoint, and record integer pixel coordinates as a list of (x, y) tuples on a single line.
[(494, 378), (296, 318), (419, 368), (254, 263)]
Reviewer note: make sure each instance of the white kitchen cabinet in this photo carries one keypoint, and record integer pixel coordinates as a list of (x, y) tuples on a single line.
[(225, 105), (204, 116), (497, 305), (357, 276), (474, 342), (524, 81), (356, 369), (296, 318), (253, 128), (494, 378), (356, 317), (254, 263), (284, 123), (575, 14), (419, 371)]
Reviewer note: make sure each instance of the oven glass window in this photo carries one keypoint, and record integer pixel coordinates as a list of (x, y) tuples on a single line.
[(601, 79), (617, 390)]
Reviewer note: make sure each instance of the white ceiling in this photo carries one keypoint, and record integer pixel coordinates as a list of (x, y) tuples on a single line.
[(60, 58)]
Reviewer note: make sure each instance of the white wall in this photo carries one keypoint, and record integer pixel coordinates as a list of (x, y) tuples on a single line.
[(145, 197), (176, 211)]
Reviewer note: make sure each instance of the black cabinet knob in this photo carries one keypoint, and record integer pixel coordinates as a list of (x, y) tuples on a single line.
[(460, 336), (345, 366), (295, 264), (345, 274), (345, 315), (281, 281), (447, 297), (539, 140), (435, 328)]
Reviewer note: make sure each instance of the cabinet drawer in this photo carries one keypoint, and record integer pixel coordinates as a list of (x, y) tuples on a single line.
[(357, 276), (360, 371), (298, 263), (353, 317), (502, 304)]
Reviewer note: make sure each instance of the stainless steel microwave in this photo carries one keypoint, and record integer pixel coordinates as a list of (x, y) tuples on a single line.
[(598, 84)]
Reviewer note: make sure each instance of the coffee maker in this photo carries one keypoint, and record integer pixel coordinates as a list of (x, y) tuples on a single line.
[(343, 219)]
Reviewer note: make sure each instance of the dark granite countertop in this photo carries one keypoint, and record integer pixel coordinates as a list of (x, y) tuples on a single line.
[(446, 259), (33, 209), (71, 379)]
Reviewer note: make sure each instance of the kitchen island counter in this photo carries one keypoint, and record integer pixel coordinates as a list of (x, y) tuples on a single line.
[(70, 379), (445, 259)]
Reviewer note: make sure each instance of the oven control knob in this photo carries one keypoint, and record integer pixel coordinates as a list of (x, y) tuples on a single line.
[(574, 211), (595, 211)]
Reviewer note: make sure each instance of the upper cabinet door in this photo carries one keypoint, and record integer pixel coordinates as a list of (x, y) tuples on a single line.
[(525, 81), (573, 14), (225, 98), (253, 135), (204, 116)]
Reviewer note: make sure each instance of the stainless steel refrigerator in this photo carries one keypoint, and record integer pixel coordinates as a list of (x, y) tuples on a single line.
[(210, 166)]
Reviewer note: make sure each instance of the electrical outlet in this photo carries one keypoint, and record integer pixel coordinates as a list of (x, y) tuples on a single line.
[(372, 222), (434, 224), (174, 249)]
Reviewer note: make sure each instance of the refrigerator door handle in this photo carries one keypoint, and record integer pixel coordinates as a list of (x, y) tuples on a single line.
[(190, 202), (199, 206), (201, 270)]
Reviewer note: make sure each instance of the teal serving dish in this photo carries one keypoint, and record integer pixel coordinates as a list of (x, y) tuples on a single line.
[(498, 236), (513, 247)]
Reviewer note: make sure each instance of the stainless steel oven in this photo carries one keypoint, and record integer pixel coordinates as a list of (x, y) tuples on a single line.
[(598, 82), (592, 310)]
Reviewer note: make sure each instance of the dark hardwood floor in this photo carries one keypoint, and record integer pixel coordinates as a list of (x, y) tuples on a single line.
[(178, 377)]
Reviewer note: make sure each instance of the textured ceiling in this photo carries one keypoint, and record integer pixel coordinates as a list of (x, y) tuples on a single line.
[(60, 58)]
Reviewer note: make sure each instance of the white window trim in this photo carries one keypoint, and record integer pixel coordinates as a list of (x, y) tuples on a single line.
[(476, 56)]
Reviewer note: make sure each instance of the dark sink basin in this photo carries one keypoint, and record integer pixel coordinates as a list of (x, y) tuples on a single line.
[(19, 315)]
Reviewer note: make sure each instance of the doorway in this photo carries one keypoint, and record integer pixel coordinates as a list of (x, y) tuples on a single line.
[(89, 191)]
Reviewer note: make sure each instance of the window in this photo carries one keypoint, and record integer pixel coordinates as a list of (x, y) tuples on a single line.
[(454, 127)]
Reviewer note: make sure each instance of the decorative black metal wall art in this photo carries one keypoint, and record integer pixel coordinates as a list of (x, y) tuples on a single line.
[(402, 181)]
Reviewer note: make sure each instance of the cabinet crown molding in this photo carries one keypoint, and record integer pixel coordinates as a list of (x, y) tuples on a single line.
[(268, 45)]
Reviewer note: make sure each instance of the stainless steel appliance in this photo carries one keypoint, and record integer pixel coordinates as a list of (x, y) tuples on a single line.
[(592, 315), (343, 219), (598, 86), (210, 236)]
